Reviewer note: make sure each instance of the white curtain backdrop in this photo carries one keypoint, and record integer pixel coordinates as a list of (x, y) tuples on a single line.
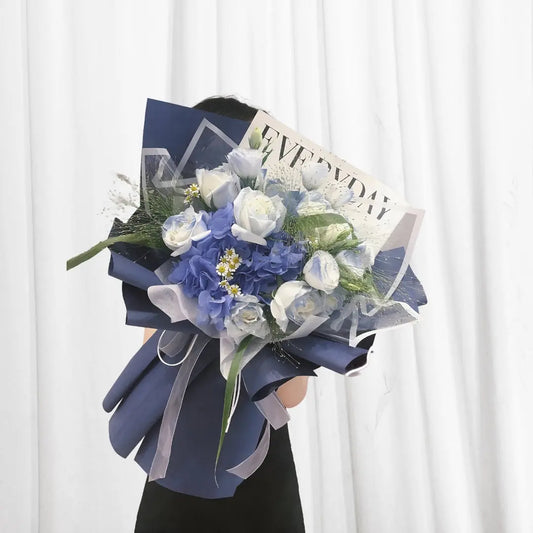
[(434, 98)]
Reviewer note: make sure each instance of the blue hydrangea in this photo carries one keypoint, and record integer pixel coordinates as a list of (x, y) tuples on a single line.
[(282, 262), (261, 270)]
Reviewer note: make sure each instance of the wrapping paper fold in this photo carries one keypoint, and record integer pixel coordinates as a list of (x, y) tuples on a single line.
[(335, 356)]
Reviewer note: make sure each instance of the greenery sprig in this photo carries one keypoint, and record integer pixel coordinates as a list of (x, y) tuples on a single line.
[(142, 228)]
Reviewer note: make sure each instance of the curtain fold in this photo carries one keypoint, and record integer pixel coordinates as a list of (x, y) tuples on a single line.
[(433, 98)]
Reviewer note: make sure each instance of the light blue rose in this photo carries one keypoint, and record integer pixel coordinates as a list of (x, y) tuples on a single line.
[(178, 231), (295, 301), (245, 162), (355, 262), (246, 318), (322, 271), (334, 301)]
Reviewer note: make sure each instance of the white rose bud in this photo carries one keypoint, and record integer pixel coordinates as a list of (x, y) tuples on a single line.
[(322, 272), (255, 139), (246, 163), (314, 174), (257, 216), (217, 187)]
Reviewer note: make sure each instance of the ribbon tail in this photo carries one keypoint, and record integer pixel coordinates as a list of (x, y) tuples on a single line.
[(255, 460), (273, 410), (276, 415), (169, 421)]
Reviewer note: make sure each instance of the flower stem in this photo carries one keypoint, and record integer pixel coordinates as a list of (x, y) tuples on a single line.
[(135, 238)]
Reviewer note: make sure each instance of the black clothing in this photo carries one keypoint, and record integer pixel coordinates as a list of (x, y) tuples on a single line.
[(267, 502)]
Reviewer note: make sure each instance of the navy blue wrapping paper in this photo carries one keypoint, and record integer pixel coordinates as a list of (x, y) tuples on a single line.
[(268, 370), (192, 461), (172, 126), (333, 355)]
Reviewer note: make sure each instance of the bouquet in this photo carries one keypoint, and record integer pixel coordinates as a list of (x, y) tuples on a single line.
[(254, 252)]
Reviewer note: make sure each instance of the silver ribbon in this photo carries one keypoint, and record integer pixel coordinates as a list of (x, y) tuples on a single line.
[(275, 413), (172, 346), (273, 410), (276, 416), (253, 461), (161, 459)]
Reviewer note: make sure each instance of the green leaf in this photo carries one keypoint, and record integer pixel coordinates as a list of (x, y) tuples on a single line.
[(265, 157), (343, 244), (134, 238), (355, 284), (228, 393), (307, 224)]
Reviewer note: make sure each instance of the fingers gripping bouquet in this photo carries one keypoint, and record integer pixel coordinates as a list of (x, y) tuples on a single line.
[(253, 252)]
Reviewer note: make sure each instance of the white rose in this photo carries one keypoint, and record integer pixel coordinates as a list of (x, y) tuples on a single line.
[(296, 301), (356, 262), (322, 271), (245, 162), (257, 216), (313, 203), (217, 187), (178, 231), (246, 318), (314, 174)]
